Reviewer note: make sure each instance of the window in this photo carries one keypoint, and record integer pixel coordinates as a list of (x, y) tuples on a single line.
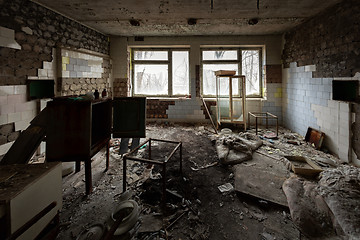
[(244, 61), (160, 72)]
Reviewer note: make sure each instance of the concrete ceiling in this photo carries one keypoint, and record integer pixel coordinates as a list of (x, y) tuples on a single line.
[(171, 17)]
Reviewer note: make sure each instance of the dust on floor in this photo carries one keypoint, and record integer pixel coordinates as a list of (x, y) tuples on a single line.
[(195, 209)]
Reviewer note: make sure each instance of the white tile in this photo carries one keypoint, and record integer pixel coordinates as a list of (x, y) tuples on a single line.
[(16, 98), (47, 65), (310, 68), (20, 107), (344, 107), (5, 147), (9, 43), (7, 32), (6, 109), (42, 73), (20, 89), (31, 105), (27, 115), (22, 125), (6, 90), (14, 117), (65, 74), (3, 119), (3, 100)]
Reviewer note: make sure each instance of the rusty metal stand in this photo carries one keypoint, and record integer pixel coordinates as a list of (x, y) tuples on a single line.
[(162, 163), (263, 115)]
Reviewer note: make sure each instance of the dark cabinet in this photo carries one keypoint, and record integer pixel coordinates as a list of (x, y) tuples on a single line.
[(77, 130), (129, 117)]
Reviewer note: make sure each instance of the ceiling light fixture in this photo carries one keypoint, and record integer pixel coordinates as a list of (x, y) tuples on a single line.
[(134, 22)]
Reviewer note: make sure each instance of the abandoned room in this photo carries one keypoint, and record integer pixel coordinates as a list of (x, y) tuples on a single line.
[(163, 119)]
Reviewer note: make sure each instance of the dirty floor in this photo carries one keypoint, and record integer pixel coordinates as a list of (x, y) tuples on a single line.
[(195, 208)]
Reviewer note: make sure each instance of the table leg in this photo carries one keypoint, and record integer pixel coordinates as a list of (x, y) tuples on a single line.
[(181, 159), (256, 125), (107, 155), (77, 166), (164, 184), (124, 174), (88, 179)]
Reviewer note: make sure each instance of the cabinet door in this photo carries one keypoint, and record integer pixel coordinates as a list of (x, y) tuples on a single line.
[(129, 114), (68, 131)]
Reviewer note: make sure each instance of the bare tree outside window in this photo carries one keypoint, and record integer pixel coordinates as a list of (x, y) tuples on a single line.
[(150, 79), (250, 68), (227, 59), (151, 75), (180, 72), (209, 79)]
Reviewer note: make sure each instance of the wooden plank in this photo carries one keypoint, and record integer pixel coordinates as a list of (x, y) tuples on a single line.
[(25, 146), (262, 177), (208, 113), (303, 166)]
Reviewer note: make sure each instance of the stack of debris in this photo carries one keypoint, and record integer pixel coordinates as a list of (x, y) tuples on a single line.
[(236, 148), (323, 197)]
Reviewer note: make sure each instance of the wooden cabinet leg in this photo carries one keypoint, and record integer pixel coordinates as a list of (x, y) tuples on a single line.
[(88, 178), (124, 174), (77, 166), (107, 155)]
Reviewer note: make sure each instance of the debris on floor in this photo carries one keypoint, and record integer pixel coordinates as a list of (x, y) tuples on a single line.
[(340, 188), (236, 148), (201, 203), (227, 187), (307, 207), (262, 178)]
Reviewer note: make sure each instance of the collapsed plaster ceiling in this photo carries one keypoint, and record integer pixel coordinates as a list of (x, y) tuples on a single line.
[(189, 17)]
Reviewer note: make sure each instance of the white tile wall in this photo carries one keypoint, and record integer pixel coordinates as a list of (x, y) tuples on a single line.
[(81, 65), (5, 147), (307, 102), (186, 109), (14, 107), (7, 38)]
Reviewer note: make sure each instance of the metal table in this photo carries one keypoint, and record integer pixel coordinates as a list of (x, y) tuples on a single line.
[(263, 115), (162, 163)]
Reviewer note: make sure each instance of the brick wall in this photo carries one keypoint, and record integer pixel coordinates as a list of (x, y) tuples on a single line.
[(37, 31), (29, 33), (121, 87), (82, 73), (273, 73), (331, 41), (156, 108)]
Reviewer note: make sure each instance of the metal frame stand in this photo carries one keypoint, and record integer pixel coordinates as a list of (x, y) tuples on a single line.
[(162, 163), (262, 115)]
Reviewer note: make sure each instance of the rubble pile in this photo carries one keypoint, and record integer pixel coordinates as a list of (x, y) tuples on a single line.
[(236, 148)]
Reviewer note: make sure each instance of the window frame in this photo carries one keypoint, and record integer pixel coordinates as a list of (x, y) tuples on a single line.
[(238, 62), (160, 62)]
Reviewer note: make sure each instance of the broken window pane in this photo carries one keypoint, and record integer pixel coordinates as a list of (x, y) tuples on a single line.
[(220, 55), (251, 68), (151, 79), (209, 79), (150, 55), (180, 72)]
